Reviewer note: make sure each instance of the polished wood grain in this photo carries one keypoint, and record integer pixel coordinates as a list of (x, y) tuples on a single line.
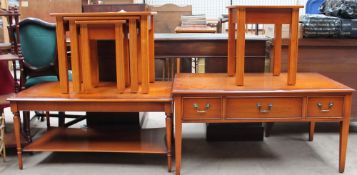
[(240, 46), (119, 56), (134, 82), (277, 49), (145, 63), (241, 15), (105, 92), (104, 14), (146, 141), (263, 98), (99, 26), (263, 83), (62, 55), (231, 62), (104, 98), (289, 107), (293, 47), (75, 60), (336, 110), (152, 50)]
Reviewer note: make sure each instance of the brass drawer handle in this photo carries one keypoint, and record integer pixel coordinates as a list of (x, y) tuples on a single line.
[(196, 107), (261, 110), (329, 107)]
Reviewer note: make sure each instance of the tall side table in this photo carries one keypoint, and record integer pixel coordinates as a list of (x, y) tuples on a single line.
[(240, 15)]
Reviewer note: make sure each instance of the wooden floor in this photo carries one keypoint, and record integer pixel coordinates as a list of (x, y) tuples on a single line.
[(151, 141)]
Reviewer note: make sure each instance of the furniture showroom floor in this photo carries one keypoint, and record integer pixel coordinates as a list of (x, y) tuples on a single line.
[(286, 151)]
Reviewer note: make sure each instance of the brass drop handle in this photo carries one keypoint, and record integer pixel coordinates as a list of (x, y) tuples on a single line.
[(329, 107), (197, 108), (261, 110)]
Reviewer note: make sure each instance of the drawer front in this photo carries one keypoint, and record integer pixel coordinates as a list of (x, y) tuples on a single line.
[(202, 108), (325, 107), (279, 107)]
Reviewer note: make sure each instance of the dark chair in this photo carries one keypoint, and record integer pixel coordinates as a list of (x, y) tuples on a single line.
[(38, 48)]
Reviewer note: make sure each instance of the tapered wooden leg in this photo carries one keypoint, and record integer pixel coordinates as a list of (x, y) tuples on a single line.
[(231, 62), (169, 140), (312, 131), (344, 129), (293, 47), (17, 131), (240, 47), (277, 49), (178, 134)]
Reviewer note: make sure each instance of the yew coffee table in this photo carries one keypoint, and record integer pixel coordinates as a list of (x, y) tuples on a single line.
[(215, 98), (105, 98)]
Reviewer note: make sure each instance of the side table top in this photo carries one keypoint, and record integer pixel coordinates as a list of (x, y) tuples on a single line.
[(267, 6), (255, 83)]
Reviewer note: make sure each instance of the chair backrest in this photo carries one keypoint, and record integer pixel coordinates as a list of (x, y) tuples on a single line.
[(38, 43), (169, 17)]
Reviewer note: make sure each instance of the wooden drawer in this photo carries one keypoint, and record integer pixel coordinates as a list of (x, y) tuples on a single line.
[(325, 107), (202, 108), (269, 107)]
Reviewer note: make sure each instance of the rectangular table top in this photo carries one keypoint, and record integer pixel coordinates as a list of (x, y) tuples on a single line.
[(267, 6), (255, 83), (106, 92)]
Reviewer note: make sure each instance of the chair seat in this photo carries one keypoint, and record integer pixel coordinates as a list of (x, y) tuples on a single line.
[(44, 79), (38, 80)]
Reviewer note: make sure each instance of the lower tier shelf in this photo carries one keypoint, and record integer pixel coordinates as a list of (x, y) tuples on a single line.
[(151, 141)]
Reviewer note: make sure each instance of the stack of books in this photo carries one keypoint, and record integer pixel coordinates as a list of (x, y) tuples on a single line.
[(193, 21)]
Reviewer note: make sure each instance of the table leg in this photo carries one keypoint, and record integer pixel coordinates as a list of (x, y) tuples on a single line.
[(119, 56), (312, 130), (231, 62), (293, 47), (85, 58), (178, 134), (277, 50), (344, 129), (134, 85), (144, 32), (169, 140), (76, 79), (151, 50), (240, 47), (18, 137), (62, 55)]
